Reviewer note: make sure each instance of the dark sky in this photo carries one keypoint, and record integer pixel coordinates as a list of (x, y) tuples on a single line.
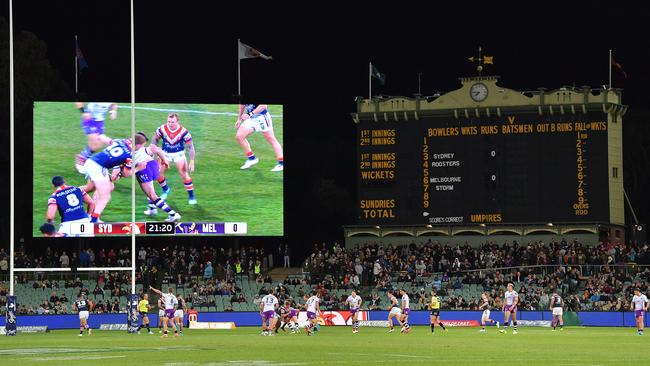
[(186, 52)]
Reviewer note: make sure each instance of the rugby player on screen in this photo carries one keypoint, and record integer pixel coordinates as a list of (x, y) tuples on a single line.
[(93, 116), (69, 202), (174, 138), (256, 118), (117, 153), (313, 309), (146, 171), (267, 310)]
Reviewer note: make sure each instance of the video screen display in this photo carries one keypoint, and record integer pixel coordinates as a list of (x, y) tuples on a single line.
[(201, 169)]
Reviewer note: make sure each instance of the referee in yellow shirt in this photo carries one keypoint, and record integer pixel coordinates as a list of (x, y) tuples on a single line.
[(435, 311), (143, 308)]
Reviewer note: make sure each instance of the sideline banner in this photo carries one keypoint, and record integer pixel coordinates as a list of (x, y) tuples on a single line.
[(132, 313), (10, 319), (212, 325), (460, 323)]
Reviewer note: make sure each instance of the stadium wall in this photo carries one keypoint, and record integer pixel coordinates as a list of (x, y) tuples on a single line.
[(585, 318), (472, 240)]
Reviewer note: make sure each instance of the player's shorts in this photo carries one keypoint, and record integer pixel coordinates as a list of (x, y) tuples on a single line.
[(91, 126), (558, 311), (65, 228), (96, 172), (406, 311), (169, 313), (84, 314), (311, 315), (435, 312), (395, 311), (178, 314), (150, 172), (259, 123), (353, 311), (511, 308), (293, 313), (161, 313), (486, 314), (143, 314), (175, 156), (268, 315), (638, 313)]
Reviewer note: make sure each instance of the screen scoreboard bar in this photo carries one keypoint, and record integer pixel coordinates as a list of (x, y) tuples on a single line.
[(158, 228)]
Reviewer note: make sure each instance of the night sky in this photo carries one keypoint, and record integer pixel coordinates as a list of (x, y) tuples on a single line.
[(186, 52)]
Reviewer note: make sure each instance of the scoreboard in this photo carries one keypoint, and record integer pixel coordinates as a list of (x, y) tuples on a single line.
[(158, 228), (517, 168)]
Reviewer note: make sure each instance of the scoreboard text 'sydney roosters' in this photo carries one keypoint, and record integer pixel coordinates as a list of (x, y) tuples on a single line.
[(511, 158)]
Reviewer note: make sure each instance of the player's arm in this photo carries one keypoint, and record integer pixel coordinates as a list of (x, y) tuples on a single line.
[(259, 109), (239, 116), (113, 112), (156, 136), (190, 149), (550, 306), (632, 305), (91, 306), (261, 306), (157, 292), (516, 302), (155, 150), (51, 212), (89, 201)]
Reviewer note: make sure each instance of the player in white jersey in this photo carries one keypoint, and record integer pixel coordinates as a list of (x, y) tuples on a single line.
[(267, 310), (640, 306), (557, 307), (146, 171), (174, 139), (406, 310), (485, 306), (354, 301), (394, 311), (253, 118), (93, 116), (171, 304), (313, 309), (510, 301)]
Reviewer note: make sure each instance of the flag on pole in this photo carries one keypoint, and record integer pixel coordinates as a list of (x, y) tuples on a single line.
[(378, 75), (246, 51), (80, 56), (617, 65)]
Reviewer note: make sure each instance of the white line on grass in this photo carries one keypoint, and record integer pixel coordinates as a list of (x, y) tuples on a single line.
[(189, 111), (71, 358)]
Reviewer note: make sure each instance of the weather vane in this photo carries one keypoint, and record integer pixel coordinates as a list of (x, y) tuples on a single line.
[(481, 60)]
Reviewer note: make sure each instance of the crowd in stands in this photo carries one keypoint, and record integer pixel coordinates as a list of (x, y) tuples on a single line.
[(585, 275), (588, 277)]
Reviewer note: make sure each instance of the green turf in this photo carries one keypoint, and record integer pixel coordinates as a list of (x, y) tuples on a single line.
[(332, 346), (224, 192)]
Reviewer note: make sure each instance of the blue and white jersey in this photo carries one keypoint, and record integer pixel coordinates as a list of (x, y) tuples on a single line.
[(98, 111), (117, 153), (69, 201), (173, 141), (82, 305), (249, 108)]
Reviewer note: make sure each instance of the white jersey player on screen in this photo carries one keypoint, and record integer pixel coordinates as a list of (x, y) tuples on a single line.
[(170, 303), (267, 310), (354, 301)]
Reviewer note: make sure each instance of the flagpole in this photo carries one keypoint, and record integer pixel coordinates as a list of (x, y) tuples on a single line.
[(76, 68), (133, 227), (369, 82), (610, 68), (238, 69)]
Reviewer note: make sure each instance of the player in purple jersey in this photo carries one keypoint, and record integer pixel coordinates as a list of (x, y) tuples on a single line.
[(174, 139), (93, 116), (640, 305), (253, 118), (146, 171), (117, 154), (68, 202)]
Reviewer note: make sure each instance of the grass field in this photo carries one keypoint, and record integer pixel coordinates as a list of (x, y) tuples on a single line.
[(224, 192), (333, 346)]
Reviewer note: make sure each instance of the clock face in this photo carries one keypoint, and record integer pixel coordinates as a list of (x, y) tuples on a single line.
[(478, 92)]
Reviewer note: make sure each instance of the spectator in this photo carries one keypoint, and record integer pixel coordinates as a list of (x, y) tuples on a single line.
[(64, 260), (287, 262), (207, 271)]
